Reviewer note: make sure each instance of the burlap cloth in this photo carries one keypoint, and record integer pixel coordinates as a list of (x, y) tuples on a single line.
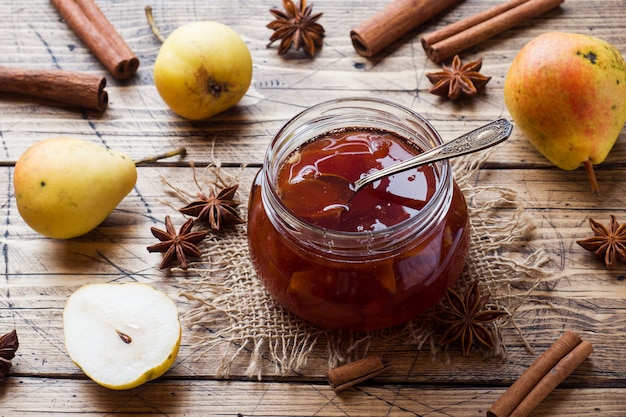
[(231, 309)]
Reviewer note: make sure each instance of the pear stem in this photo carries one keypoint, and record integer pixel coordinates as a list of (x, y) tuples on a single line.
[(153, 27), (178, 151), (592, 176)]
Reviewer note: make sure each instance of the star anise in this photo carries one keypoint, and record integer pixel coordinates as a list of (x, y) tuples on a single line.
[(8, 347), (609, 243), (458, 80), (216, 210), (296, 27), (177, 246), (466, 319)]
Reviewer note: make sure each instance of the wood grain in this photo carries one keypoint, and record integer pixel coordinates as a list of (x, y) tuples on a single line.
[(38, 274), (178, 398)]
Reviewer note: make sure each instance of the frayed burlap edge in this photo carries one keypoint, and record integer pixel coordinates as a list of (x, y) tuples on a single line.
[(232, 310)]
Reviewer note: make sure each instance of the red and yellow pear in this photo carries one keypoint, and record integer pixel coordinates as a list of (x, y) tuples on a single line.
[(566, 92)]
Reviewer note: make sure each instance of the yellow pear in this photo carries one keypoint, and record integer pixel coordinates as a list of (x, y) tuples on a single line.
[(66, 187), (202, 69), (567, 93)]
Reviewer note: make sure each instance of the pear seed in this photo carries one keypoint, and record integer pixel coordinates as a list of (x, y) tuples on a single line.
[(125, 338)]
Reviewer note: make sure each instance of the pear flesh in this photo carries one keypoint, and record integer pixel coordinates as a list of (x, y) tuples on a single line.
[(121, 335), (567, 93), (66, 187)]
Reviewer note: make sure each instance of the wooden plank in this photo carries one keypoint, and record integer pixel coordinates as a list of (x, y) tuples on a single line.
[(47, 397)]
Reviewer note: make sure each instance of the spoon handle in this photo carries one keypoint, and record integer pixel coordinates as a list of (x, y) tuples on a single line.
[(476, 140)]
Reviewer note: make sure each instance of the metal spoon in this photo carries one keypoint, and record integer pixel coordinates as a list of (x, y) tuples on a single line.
[(482, 138), (334, 192)]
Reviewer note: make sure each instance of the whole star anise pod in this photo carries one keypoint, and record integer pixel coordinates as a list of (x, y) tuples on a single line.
[(296, 27), (216, 210), (466, 319), (8, 346), (458, 80), (609, 243), (177, 246)]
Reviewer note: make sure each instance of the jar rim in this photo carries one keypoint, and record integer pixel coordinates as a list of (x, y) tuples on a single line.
[(359, 112)]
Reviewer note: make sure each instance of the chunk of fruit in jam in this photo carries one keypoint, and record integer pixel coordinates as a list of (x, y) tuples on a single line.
[(314, 181)]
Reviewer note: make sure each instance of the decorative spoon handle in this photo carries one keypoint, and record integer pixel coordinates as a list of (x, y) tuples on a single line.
[(476, 140)]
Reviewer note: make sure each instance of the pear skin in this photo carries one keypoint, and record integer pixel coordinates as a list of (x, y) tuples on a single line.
[(66, 187), (566, 92), (121, 335)]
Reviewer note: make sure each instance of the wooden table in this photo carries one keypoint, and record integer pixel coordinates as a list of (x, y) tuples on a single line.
[(40, 273)]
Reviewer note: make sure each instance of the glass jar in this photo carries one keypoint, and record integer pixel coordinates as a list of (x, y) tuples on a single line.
[(360, 277)]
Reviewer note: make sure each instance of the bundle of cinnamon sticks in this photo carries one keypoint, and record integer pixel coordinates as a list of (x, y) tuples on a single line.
[(93, 27), (402, 16), (542, 377), (77, 89), (468, 32)]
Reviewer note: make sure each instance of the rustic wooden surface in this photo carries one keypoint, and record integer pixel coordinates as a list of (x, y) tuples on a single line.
[(38, 274)]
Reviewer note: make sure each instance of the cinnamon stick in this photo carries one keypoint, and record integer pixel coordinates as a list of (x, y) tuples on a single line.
[(456, 37), (548, 371), (353, 373), (86, 19), (394, 21), (547, 384), (74, 88)]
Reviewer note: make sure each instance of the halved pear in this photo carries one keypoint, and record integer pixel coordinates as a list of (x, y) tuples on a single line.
[(121, 335)]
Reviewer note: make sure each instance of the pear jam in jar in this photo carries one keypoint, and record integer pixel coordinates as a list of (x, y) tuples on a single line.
[(356, 261)]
